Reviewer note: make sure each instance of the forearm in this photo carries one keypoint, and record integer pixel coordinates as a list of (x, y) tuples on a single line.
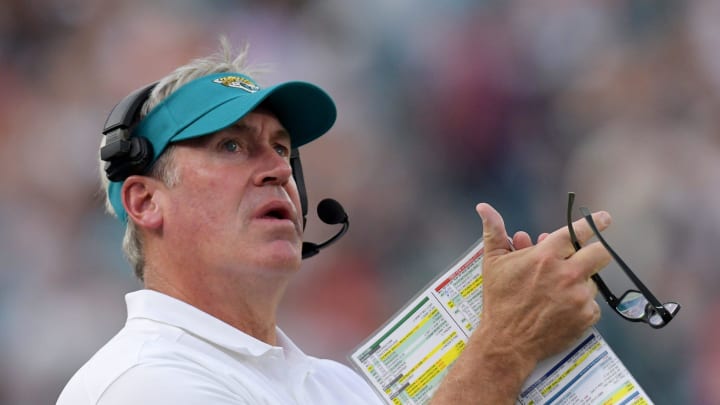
[(489, 372)]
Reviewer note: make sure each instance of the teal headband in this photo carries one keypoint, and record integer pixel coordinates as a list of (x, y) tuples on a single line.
[(214, 102)]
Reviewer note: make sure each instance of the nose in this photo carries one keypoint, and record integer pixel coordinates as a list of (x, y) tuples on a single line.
[(273, 168)]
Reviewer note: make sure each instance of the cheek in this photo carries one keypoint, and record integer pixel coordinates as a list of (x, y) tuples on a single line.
[(203, 202), (294, 195)]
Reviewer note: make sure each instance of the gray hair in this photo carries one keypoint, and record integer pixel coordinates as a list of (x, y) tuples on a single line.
[(163, 169)]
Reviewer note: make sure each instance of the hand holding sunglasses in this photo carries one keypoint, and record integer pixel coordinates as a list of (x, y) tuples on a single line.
[(634, 305)]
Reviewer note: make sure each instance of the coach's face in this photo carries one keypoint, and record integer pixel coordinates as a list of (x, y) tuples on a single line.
[(236, 206)]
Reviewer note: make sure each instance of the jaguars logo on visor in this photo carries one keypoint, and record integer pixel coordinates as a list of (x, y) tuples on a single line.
[(238, 82)]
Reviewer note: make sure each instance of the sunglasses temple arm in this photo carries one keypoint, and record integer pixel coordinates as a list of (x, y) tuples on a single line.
[(610, 298), (639, 284)]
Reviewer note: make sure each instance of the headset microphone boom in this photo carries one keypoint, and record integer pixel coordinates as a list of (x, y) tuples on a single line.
[(330, 212)]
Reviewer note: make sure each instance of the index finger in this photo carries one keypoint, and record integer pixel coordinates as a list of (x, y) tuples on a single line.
[(559, 241)]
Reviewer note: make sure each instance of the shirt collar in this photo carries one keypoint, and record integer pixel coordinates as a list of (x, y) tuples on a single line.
[(159, 307)]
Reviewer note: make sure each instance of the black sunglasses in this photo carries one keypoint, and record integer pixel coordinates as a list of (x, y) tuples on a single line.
[(633, 305)]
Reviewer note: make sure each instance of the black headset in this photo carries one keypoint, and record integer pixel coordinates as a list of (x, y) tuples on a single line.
[(126, 155)]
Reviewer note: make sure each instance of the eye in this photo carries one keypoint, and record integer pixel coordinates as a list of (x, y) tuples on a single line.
[(282, 150), (230, 145)]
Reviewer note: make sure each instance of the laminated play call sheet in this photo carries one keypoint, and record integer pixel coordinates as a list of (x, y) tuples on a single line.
[(407, 358)]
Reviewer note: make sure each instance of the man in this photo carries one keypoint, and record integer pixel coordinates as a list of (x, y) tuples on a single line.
[(214, 230)]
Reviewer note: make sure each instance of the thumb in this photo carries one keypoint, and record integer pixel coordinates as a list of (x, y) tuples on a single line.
[(494, 234)]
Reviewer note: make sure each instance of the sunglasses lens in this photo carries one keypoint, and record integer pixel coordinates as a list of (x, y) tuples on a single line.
[(655, 319), (632, 305)]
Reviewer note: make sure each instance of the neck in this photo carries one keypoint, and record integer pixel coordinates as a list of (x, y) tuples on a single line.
[(247, 303)]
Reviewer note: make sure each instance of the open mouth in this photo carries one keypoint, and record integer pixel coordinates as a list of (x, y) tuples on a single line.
[(277, 211), (276, 214)]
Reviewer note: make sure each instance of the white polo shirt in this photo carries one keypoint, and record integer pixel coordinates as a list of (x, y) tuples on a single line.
[(170, 352)]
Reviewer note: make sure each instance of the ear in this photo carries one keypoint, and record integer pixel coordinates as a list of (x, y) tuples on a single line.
[(139, 197)]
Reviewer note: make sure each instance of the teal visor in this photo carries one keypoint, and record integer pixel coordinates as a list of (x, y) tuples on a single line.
[(214, 102)]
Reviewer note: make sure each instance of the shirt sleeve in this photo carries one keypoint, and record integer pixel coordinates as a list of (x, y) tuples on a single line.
[(167, 384)]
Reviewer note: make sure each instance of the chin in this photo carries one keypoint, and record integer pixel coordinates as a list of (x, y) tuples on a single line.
[(282, 256)]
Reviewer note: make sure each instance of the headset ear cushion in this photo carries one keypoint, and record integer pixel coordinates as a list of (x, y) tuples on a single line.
[(141, 154), (137, 161)]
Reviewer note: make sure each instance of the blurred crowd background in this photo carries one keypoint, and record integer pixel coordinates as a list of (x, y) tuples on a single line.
[(442, 104)]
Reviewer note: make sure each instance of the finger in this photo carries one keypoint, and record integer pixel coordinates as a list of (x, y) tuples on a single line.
[(494, 234), (559, 241), (521, 240), (592, 286), (542, 237), (596, 312), (591, 259), (591, 307)]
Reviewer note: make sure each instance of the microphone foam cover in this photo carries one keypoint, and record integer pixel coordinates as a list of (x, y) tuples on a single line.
[(331, 212)]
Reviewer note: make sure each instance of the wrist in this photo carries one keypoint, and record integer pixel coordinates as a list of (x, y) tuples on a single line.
[(491, 370), (504, 357)]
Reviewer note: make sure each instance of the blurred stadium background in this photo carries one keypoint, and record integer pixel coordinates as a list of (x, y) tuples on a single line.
[(442, 104)]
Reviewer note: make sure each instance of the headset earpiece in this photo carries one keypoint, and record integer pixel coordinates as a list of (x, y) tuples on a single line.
[(124, 154), (136, 160)]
